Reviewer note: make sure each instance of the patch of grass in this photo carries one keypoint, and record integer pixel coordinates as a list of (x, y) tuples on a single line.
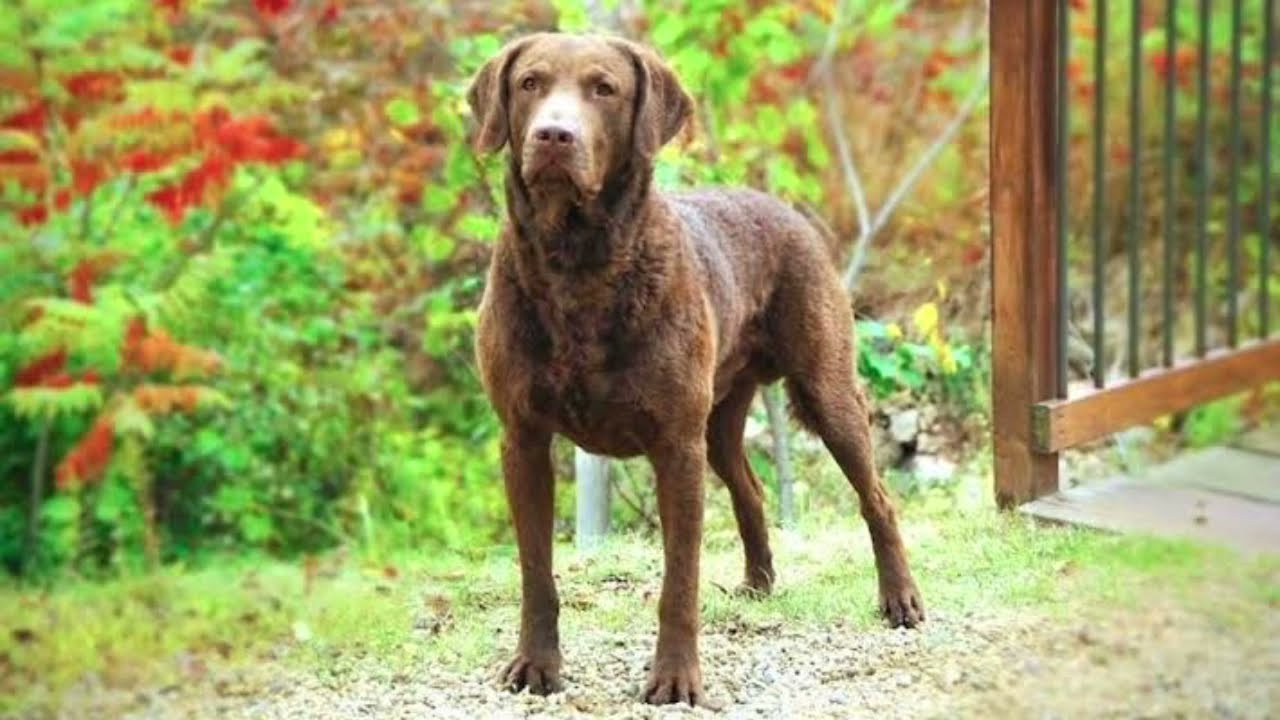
[(410, 610)]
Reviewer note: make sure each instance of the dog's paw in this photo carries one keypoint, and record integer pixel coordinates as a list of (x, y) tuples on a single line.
[(757, 584), (678, 682), (541, 676), (900, 604)]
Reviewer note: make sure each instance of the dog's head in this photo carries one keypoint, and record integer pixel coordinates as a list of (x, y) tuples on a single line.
[(576, 109)]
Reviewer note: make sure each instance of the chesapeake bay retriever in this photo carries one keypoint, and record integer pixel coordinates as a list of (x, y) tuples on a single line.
[(635, 321)]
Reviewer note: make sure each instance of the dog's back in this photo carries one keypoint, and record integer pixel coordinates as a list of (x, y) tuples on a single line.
[(751, 246)]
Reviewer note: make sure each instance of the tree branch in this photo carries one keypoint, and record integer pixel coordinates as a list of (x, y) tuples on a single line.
[(868, 226), (909, 180), (822, 70), (847, 167), (628, 499), (774, 406)]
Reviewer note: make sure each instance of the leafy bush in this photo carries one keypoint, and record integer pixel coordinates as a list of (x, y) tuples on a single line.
[(243, 244)]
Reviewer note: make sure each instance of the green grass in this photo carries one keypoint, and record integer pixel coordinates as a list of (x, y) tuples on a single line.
[(415, 608)]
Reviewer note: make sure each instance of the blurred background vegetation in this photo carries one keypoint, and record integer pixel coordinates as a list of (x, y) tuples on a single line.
[(243, 241)]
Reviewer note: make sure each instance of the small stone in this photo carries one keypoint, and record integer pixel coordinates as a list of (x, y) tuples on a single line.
[(904, 425)]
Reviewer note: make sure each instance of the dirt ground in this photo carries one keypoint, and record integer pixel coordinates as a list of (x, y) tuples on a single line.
[(1158, 663)]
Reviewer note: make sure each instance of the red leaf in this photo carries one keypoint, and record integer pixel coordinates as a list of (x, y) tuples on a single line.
[(71, 119), (80, 282), (330, 13), (973, 254), (86, 176), (172, 201), (31, 119), (271, 8), (19, 157), (796, 71), (95, 85), (213, 172), (60, 380), (181, 54), (40, 369), (135, 332), (89, 458), (142, 161), (33, 215)]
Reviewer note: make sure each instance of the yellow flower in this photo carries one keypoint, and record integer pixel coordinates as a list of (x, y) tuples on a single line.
[(925, 318), (946, 360), (893, 330)]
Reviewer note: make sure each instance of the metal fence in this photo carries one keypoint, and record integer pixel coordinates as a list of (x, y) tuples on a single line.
[(1176, 117)]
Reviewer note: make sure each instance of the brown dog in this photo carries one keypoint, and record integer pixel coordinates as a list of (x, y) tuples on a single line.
[(639, 322)]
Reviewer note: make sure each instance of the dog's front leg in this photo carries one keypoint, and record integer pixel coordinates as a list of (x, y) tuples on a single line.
[(526, 469), (675, 675)]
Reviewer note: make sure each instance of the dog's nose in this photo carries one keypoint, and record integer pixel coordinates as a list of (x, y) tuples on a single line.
[(552, 134)]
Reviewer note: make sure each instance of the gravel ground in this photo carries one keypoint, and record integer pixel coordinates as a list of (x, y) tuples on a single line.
[(1157, 664)]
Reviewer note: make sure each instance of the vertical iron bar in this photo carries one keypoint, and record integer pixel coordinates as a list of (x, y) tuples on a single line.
[(1135, 186), (1202, 180), (1099, 191), (1170, 200), (1264, 203), (1060, 162), (1233, 186)]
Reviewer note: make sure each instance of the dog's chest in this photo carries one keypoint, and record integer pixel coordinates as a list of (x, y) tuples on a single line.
[(586, 386)]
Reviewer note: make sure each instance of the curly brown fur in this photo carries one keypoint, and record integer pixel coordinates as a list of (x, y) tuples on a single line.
[(635, 322)]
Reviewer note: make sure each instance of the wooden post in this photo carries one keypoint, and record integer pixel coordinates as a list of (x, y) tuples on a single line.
[(1023, 242)]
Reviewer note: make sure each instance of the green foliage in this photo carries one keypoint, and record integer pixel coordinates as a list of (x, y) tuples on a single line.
[(724, 52), (922, 364), (335, 279), (1213, 423)]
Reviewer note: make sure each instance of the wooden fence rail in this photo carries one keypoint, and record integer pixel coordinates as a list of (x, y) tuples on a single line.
[(1035, 416)]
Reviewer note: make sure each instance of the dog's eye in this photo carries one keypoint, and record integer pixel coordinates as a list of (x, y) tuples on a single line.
[(604, 90), (529, 84)]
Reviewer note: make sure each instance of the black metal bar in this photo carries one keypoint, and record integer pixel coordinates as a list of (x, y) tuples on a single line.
[(1170, 199), (1202, 181), (1233, 185), (1060, 159), (1135, 188), (1099, 190), (1264, 203)]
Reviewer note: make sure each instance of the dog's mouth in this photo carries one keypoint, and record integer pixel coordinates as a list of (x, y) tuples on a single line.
[(558, 176), (551, 172)]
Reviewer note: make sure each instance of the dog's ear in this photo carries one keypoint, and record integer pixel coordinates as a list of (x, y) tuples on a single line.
[(488, 97), (661, 105)]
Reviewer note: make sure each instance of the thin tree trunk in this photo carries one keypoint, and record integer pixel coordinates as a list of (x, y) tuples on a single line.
[(38, 470), (591, 473), (773, 404)]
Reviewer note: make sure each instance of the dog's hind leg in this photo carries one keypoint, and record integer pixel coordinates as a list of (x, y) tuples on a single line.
[(812, 328), (835, 409), (727, 457)]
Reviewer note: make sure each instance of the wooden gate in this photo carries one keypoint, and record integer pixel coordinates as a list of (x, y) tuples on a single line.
[(1164, 64)]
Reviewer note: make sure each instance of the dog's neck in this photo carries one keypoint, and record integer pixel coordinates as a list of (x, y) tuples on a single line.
[(567, 235), (594, 275)]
